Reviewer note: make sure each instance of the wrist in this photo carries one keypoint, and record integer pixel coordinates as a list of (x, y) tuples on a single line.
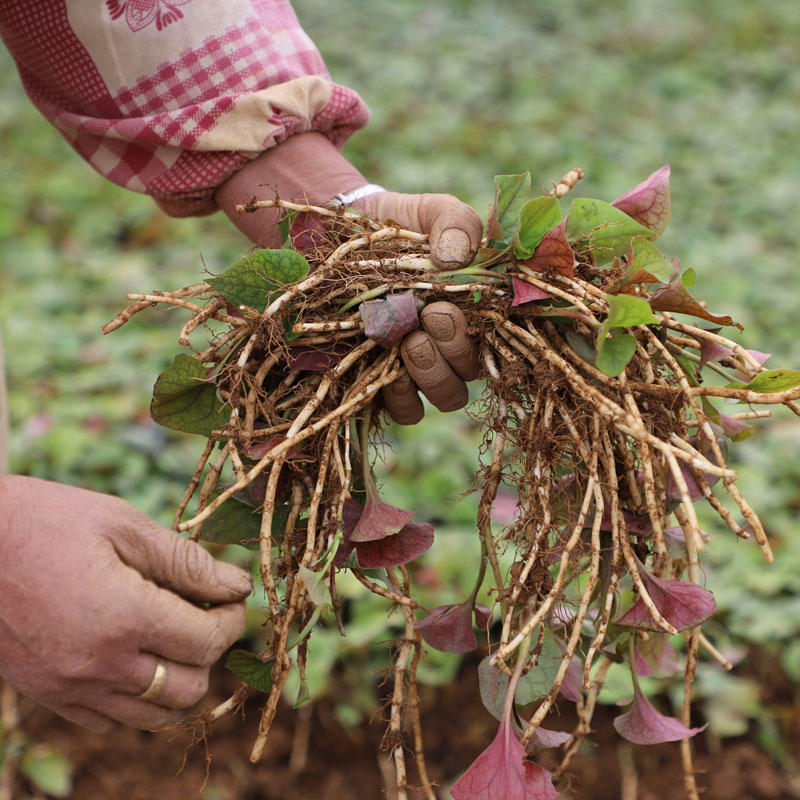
[(306, 167)]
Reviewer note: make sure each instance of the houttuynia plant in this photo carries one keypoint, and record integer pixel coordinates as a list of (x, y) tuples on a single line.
[(603, 408)]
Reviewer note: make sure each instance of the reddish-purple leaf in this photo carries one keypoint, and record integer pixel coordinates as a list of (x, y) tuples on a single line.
[(695, 492), (649, 202), (260, 449), (501, 772), (379, 519), (544, 738), (449, 628), (307, 232), (711, 351), (675, 540), (675, 297), (642, 724), (317, 359), (410, 543), (524, 292), (351, 513), (388, 320), (643, 669), (572, 687), (682, 603), (483, 616), (733, 427), (553, 252), (635, 523)]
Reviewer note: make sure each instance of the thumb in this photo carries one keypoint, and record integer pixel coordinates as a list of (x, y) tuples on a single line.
[(172, 562), (454, 228)]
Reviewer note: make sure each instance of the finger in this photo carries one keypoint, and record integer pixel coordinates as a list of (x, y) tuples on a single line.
[(178, 564), (431, 372), (181, 632), (402, 401), (186, 684), (134, 712), (455, 230), (86, 718), (446, 323)]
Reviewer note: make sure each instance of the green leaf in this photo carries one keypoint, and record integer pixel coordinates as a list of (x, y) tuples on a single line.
[(536, 218), (251, 669), (318, 591), (580, 344), (644, 256), (185, 401), (623, 312), (608, 230), (48, 770), (689, 277), (257, 279), (537, 682), (476, 296), (236, 522), (615, 354), (511, 192), (774, 380), (285, 225), (303, 694)]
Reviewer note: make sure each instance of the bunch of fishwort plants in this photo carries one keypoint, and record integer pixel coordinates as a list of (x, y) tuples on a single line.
[(601, 409)]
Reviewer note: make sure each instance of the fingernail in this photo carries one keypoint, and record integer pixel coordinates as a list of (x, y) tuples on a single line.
[(440, 326), (233, 578), (453, 246), (421, 354)]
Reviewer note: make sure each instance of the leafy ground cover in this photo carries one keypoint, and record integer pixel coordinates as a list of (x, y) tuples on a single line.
[(465, 92)]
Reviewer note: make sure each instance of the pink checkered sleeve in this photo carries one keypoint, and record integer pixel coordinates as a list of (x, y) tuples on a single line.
[(171, 97)]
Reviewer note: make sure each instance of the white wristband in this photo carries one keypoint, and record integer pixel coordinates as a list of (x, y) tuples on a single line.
[(348, 198)]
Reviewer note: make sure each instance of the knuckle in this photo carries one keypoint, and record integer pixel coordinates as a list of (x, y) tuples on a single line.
[(190, 560)]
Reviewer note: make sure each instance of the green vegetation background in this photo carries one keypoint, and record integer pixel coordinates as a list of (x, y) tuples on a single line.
[(460, 90)]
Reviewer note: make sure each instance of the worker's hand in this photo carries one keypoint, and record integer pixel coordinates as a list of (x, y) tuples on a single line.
[(92, 591), (439, 358)]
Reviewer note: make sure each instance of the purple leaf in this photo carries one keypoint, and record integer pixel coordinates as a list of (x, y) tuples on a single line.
[(388, 320), (410, 543), (572, 687), (307, 232), (553, 252), (260, 449), (734, 427), (501, 772), (695, 492), (449, 628), (351, 513), (649, 202), (524, 292), (682, 603), (711, 351), (635, 523), (642, 724), (675, 540), (643, 669), (317, 359), (675, 297), (544, 738), (483, 616), (378, 520)]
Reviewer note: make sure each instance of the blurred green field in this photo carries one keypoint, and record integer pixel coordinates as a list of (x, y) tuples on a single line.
[(460, 90)]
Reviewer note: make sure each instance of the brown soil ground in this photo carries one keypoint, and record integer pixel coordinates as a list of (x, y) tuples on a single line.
[(344, 763)]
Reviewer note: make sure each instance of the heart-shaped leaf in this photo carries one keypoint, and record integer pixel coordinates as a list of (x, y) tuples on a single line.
[(649, 202), (536, 218), (642, 724), (525, 292), (607, 229), (251, 669), (511, 192), (553, 252), (388, 320), (184, 399), (449, 628), (260, 277), (501, 772)]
